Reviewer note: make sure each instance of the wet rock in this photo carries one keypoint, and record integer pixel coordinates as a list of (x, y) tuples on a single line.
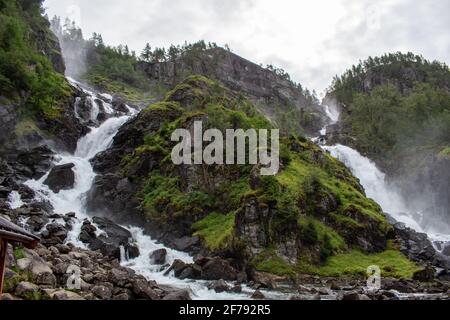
[(182, 295), (61, 178), (237, 289), (56, 234), (158, 257), (219, 269), (191, 272), (219, 286), (177, 267), (266, 281), (111, 241), (258, 295)]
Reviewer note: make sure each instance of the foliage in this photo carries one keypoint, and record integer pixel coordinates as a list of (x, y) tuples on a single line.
[(26, 75), (392, 263), (407, 105), (217, 230), (268, 261)]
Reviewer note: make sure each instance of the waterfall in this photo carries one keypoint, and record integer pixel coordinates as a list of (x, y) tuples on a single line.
[(386, 195), (97, 140), (377, 188)]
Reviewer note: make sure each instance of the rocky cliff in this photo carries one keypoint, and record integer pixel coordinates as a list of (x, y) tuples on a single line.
[(274, 95)]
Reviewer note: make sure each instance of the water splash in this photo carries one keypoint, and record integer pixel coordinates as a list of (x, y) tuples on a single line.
[(14, 200)]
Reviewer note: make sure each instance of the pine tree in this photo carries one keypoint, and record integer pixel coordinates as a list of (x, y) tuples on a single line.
[(147, 54)]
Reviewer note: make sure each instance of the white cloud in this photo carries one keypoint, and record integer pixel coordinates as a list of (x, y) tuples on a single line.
[(312, 40)]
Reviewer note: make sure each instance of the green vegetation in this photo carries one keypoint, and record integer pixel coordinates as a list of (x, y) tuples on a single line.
[(27, 77), (314, 199), (392, 264), (19, 253), (407, 106), (270, 262), (217, 230)]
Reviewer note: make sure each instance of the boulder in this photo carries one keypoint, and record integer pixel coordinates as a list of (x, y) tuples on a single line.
[(177, 267), (102, 292), (219, 286), (186, 243), (56, 234), (192, 271), (351, 296), (66, 296), (219, 269), (258, 295), (425, 275), (158, 257), (27, 290), (143, 290), (61, 178), (181, 295), (111, 241)]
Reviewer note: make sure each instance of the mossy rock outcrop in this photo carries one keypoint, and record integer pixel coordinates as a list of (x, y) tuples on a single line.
[(314, 207)]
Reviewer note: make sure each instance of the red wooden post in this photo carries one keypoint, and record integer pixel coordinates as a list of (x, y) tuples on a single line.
[(3, 249)]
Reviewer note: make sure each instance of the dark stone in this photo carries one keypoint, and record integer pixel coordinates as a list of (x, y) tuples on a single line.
[(109, 244), (61, 178), (425, 275), (351, 296), (219, 269), (177, 266), (186, 243), (182, 295), (258, 295), (158, 257), (191, 272), (219, 286)]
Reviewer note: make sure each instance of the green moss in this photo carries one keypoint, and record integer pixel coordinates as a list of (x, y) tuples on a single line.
[(445, 153), (19, 253), (216, 230), (270, 262), (392, 263), (323, 232), (25, 126)]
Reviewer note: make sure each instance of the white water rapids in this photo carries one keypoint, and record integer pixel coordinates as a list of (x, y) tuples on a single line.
[(98, 140), (376, 186)]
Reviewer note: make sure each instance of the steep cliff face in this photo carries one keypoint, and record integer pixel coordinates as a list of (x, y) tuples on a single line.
[(37, 104), (275, 96)]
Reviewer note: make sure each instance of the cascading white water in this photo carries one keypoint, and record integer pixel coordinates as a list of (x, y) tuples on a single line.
[(98, 140), (386, 195), (376, 186), (14, 200)]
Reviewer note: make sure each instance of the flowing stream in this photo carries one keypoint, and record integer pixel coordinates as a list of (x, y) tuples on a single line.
[(100, 139)]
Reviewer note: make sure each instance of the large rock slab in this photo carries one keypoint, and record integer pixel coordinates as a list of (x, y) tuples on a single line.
[(61, 178)]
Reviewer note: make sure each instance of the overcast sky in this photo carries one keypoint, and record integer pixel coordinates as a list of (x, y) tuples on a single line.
[(312, 40)]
